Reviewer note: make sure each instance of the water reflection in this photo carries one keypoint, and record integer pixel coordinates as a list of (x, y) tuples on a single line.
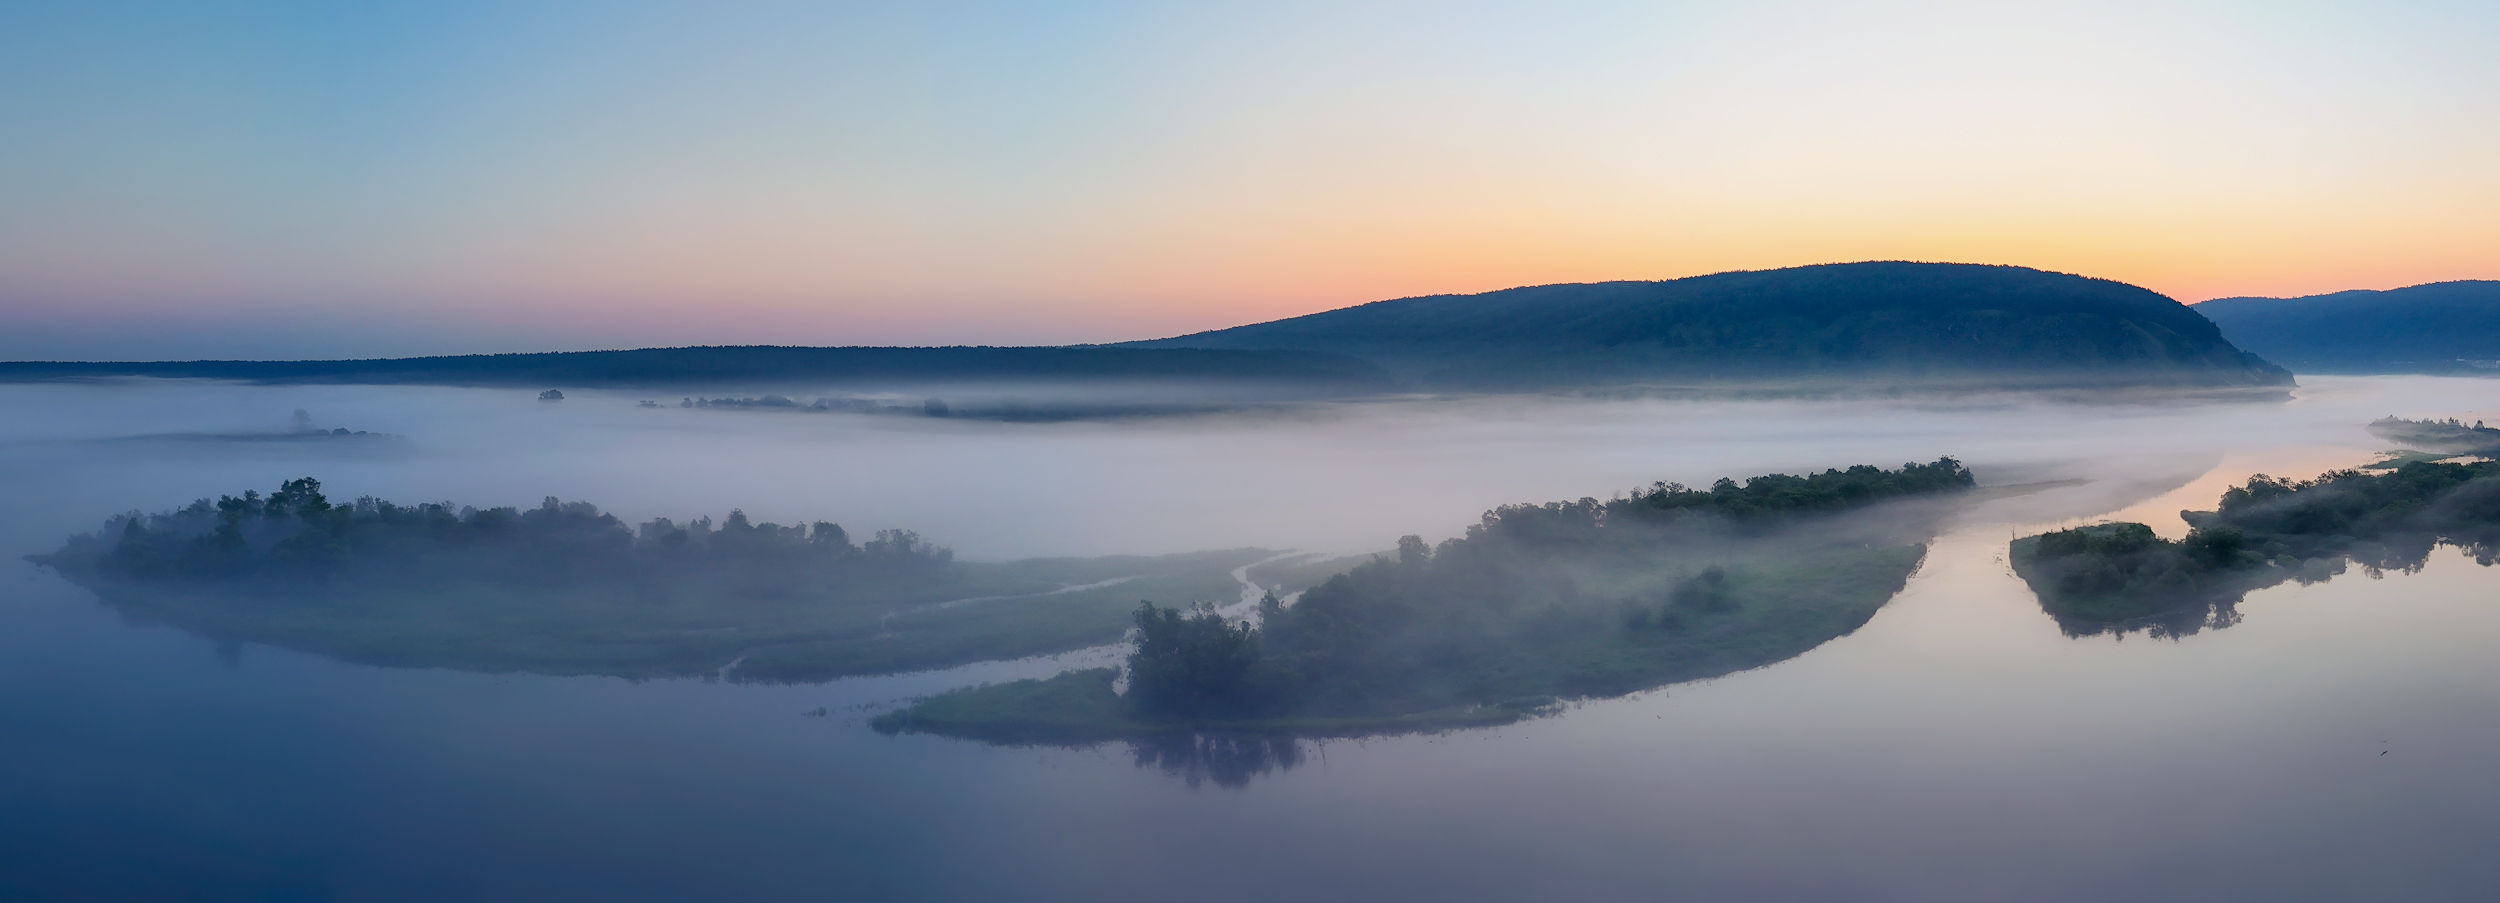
[(2220, 611), (1227, 760), (2120, 577)]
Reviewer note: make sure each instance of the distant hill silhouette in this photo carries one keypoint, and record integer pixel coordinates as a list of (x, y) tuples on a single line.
[(1916, 323), (2443, 327), (1879, 325), (765, 364)]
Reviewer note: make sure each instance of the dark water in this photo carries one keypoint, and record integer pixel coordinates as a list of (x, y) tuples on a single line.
[(2335, 745)]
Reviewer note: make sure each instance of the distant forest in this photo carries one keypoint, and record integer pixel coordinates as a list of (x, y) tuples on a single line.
[(1535, 602), (2441, 328)]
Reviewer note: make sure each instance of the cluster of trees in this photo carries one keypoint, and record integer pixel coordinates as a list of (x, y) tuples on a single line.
[(1756, 505), (1779, 494), (2451, 436), (1501, 613), (297, 531), (2119, 576), (2386, 520), (2113, 577)]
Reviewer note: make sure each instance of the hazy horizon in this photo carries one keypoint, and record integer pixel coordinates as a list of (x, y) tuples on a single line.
[(306, 338)]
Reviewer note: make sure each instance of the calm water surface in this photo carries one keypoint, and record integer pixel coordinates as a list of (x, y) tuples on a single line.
[(2335, 745)]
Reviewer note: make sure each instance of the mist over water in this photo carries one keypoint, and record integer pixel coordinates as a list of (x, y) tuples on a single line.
[(1331, 476), (1957, 747)]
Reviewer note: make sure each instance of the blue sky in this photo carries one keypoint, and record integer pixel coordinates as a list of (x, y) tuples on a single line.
[(287, 179)]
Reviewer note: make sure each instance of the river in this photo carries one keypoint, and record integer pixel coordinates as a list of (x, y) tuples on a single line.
[(2333, 745)]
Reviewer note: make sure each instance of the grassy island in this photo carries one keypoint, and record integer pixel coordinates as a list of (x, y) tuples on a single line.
[(2121, 577), (564, 588), (1534, 604)]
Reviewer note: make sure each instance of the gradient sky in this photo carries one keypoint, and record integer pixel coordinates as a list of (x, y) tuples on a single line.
[(322, 180)]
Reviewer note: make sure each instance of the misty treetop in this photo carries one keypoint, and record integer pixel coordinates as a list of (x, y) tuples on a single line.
[(1535, 602), (1756, 504), (1779, 493), (2118, 577)]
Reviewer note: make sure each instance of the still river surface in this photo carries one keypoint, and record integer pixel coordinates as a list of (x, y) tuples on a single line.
[(2337, 744)]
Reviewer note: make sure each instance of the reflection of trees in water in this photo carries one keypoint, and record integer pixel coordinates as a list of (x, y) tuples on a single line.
[(2407, 554), (2208, 614), (1230, 760), (2120, 578)]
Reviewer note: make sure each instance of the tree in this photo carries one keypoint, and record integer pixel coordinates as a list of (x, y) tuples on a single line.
[(1196, 665), (301, 498)]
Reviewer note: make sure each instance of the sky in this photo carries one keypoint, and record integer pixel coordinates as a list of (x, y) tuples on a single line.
[(283, 180)]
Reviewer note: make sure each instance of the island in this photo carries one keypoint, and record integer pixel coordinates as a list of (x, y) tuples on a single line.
[(1535, 604), (2122, 577), (564, 588)]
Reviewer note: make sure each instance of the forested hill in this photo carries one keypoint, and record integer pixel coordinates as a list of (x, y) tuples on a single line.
[(2443, 327), (1920, 323), (762, 364)]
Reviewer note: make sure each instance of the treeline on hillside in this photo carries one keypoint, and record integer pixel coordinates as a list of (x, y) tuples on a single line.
[(2120, 577), (296, 533), (2442, 328), (1534, 602)]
